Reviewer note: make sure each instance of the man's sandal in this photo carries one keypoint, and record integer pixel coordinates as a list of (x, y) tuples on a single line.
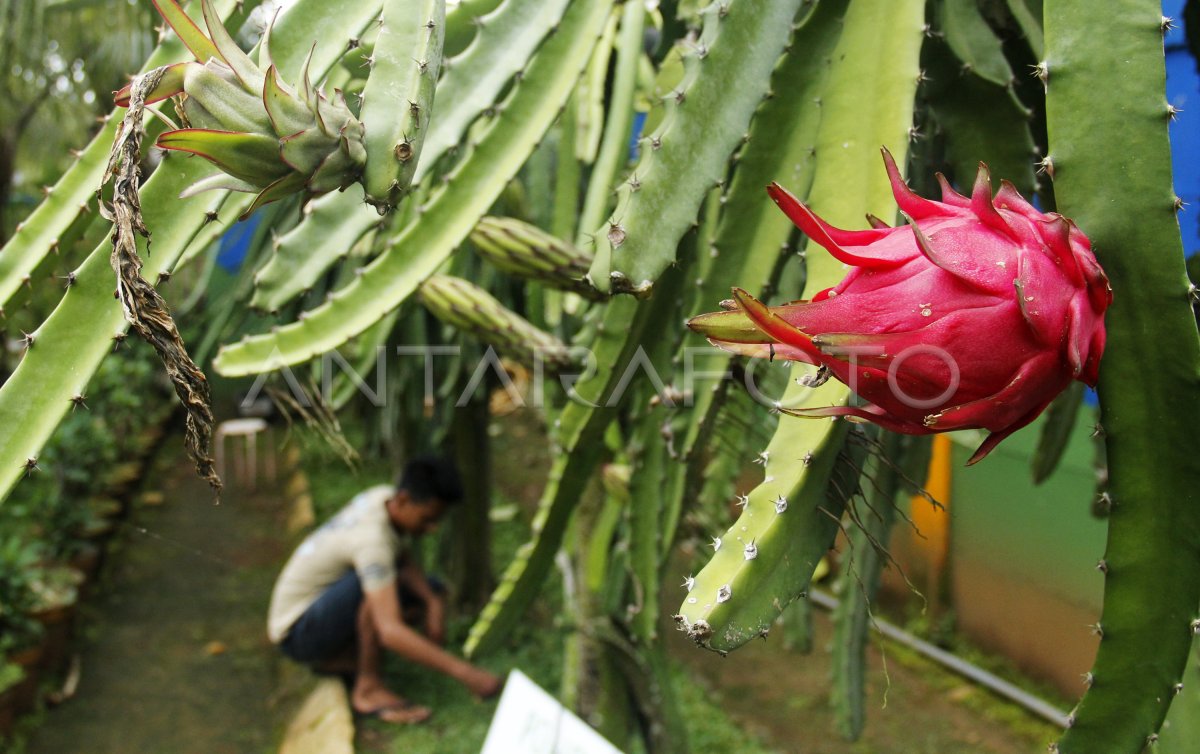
[(403, 713)]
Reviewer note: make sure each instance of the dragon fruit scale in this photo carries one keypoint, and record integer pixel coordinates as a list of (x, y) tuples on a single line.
[(975, 314)]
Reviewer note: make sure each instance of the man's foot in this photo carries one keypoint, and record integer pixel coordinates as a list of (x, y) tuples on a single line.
[(376, 701)]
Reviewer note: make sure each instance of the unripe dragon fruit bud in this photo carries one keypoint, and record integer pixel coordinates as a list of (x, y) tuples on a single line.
[(267, 137), (472, 310), (527, 251), (975, 314)]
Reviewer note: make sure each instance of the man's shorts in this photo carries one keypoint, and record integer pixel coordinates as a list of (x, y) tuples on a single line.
[(330, 624)]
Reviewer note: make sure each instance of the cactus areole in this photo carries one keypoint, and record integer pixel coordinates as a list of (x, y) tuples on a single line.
[(975, 314)]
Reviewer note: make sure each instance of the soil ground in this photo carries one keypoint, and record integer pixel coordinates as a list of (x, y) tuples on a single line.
[(783, 697)]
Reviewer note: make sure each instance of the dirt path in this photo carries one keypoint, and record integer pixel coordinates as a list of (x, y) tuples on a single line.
[(175, 658)]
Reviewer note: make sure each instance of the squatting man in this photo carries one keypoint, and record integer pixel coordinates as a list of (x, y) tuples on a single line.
[(344, 594)]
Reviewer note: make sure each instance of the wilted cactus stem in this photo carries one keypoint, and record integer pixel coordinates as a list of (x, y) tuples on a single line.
[(144, 308)]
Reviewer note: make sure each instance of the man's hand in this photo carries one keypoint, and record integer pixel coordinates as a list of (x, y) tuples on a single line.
[(482, 683), (435, 621)]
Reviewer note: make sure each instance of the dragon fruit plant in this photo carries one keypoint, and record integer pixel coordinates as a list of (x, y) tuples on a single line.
[(976, 314), (539, 96)]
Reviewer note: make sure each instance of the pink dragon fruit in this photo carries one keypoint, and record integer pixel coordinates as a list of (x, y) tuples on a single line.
[(975, 314)]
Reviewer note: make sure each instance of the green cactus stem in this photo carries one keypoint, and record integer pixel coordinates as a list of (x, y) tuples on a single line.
[(397, 102), (973, 41), (980, 121), (462, 23), (578, 430), (332, 224), (752, 233), (895, 461), (1112, 176), (787, 517), (505, 38), (1056, 432), (450, 215), (589, 95), (613, 148), (727, 71)]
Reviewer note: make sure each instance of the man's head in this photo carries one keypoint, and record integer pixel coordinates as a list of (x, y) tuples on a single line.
[(427, 485)]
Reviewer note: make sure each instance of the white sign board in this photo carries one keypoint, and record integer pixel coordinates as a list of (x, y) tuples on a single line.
[(530, 721)]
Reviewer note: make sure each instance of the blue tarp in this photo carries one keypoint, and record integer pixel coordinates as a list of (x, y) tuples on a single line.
[(1183, 91)]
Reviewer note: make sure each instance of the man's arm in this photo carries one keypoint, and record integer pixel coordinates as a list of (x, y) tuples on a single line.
[(395, 635), (413, 578)]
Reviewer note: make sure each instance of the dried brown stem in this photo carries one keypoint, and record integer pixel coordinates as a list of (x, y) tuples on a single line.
[(144, 308)]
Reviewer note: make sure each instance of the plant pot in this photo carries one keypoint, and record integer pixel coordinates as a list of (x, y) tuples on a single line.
[(123, 478), (11, 676), (8, 711), (24, 693), (148, 439), (96, 530), (87, 561), (58, 592), (106, 508)]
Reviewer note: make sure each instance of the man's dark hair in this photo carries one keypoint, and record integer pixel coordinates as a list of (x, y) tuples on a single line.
[(428, 476)]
